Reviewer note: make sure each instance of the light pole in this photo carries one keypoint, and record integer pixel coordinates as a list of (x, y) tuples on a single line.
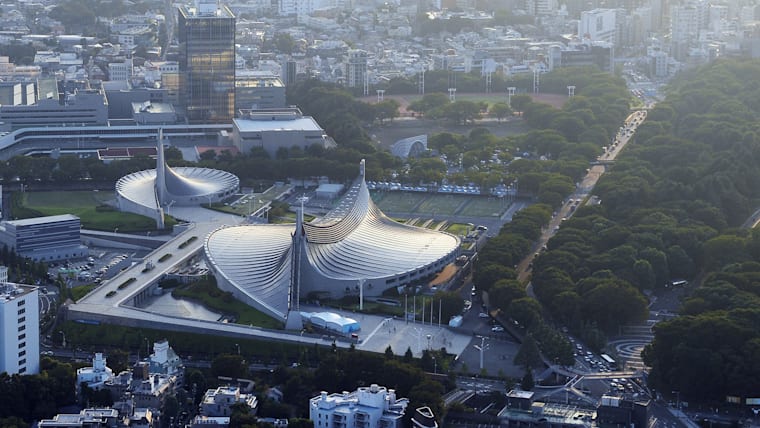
[(238, 348), (482, 348), (678, 399), (510, 93), (63, 335)]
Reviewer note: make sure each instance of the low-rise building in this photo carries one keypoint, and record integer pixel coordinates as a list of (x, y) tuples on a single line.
[(45, 238), (255, 90), (367, 407), (219, 401), (82, 108), (272, 130), (164, 360), (96, 376), (87, 418), (621, 411)]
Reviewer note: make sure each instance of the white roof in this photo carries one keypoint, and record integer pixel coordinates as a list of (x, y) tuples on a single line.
[(303, 123), (43, 220), (344, 245)]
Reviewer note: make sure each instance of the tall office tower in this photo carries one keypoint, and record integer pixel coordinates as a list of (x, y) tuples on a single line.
[(20, 333), (356, 69), (206, 34), (289, 73)]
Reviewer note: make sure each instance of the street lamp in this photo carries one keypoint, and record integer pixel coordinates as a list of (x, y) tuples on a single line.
[(63, 335), (238, 348), (482, 348), (678, 399)]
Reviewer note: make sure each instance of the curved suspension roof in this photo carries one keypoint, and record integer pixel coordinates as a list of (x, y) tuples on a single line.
[(182, 182), (353, 241), (257, 260)]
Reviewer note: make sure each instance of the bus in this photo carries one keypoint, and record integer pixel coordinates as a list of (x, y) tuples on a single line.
[(609, 361)]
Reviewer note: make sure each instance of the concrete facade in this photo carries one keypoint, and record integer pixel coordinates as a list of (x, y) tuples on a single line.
[(20, 321)]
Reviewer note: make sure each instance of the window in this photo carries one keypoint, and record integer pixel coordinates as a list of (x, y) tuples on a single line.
[(22, 370), (22, 336), (22, 311), (21, 303), (21, 319), (22, 361), (22, 327), (21, 345), (22, 353)]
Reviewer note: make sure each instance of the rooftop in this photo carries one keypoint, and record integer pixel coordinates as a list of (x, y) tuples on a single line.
[(262, 124), (10, 291), (42, 220), (205, 9)]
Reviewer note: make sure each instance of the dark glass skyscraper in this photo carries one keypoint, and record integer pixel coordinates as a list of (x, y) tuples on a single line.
[(206, 34)]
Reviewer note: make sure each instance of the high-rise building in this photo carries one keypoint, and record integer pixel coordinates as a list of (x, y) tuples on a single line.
[(356, 69), (20, 333), (206, 33), (289, 72)]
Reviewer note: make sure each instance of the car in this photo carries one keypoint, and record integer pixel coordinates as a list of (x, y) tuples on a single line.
[(497, 329), (47, 353), (483, 315)]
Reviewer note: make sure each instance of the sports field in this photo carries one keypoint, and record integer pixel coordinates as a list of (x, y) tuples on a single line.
[(484, 207), (397, 202), (430, 205), (89, 206)]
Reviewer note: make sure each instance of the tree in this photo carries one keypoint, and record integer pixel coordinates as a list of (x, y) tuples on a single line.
[(527, 383), (528, 355), (389, 352), (500, 111), (451, 303), (230, 365), (428, 102), (408, 356), (386, 109), (169, 410), (459, 112)]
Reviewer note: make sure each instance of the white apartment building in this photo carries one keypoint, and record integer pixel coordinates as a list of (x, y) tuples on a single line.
[(367, 407), (20, 320), (218, 402), (96, 376), (120, 70), (598, 25)]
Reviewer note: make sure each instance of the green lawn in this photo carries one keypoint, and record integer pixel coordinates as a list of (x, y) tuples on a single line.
[(458, 229), (397, 202), (441, 204), (207, 293), (90, 206), (80, 291), (485, 207), (488, 98)]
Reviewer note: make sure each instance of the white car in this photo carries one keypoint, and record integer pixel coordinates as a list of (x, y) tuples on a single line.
[(497, 329), (483, 315)]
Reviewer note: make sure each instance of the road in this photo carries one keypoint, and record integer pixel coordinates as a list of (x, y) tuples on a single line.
[(581, 194)]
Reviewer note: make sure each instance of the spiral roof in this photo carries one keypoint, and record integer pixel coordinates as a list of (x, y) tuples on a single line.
[(181, 182)]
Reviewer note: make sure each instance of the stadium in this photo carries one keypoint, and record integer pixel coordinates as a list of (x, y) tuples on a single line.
[(149, 192), (353, 249)]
